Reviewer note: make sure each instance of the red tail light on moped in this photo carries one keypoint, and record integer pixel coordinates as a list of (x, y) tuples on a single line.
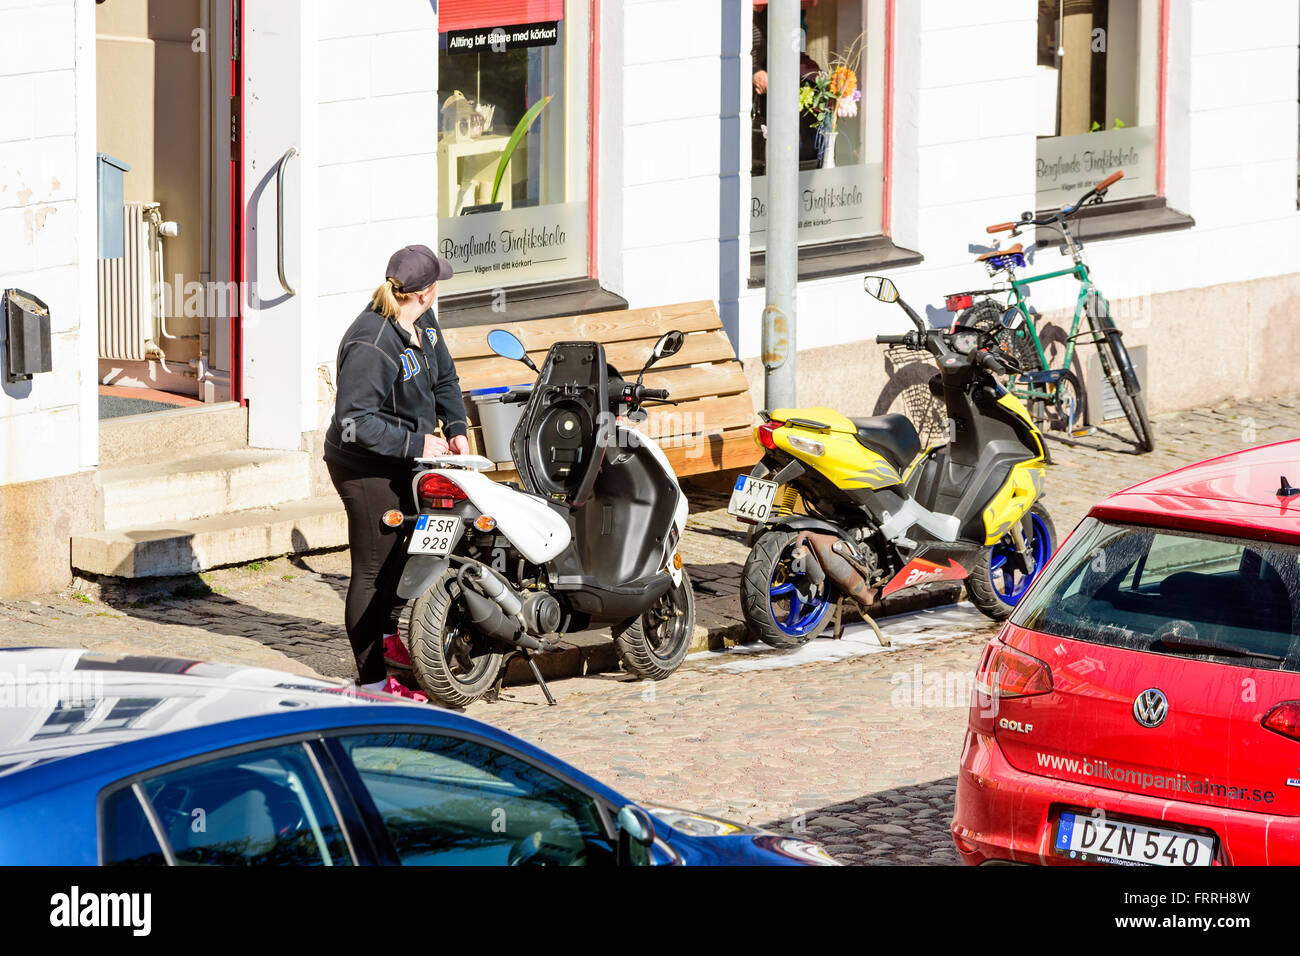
[(765, 431), (439, 491)]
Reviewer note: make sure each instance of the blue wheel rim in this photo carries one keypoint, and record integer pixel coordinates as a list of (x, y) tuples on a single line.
[(1008, 584), (799, 617)]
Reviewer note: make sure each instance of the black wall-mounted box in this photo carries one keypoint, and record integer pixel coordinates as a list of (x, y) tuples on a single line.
[(27, 336)]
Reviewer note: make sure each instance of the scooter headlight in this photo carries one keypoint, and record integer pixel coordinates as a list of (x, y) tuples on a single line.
[(806, 445)]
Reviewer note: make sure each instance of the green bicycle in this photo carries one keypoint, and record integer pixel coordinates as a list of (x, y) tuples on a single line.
[(1054, 394)]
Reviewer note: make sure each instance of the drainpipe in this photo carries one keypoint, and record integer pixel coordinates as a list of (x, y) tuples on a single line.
[(782, 257)]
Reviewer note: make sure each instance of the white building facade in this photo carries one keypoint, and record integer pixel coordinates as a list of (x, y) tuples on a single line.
[(327, 134)]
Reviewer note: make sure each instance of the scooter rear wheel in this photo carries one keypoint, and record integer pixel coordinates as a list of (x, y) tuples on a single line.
[(773, 610), (454, 664), (654, 644)]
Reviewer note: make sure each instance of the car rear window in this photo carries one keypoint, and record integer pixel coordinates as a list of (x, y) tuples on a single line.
[(1170, 592)]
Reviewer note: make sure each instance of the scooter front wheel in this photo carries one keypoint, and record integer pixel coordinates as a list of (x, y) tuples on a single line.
[(654, 644), (454, 664), (773, 610), (996, 583)]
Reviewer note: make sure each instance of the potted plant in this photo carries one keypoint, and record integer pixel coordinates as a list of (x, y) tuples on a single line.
[(520, 130)]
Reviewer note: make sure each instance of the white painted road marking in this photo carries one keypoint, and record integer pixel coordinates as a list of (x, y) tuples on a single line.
[(904, 630)]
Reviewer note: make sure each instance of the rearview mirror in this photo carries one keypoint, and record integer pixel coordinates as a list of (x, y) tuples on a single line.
[(878, 287), (1012, 319), (670, 343), (508, 346)]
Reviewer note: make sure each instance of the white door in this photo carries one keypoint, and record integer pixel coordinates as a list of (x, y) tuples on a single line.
[(278, 364)]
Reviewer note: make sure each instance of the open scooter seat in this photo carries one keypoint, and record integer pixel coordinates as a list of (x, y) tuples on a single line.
[(893, 436)]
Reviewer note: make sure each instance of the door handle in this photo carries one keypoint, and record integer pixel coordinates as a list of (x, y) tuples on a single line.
[(291, 152)]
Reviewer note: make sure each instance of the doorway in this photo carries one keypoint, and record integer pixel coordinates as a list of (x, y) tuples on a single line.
[(170, 245)]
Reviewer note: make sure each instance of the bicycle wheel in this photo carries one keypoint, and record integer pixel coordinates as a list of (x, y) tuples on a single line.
[(1117, 368), (1066, 411), (987, 316)]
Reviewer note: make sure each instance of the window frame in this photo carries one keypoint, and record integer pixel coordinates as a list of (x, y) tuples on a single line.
[(373, 820), (553, 298), (853, 254), (135, 781), (1134, 215)]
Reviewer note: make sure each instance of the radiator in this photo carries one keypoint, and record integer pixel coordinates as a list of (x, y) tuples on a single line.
[(130, 306)]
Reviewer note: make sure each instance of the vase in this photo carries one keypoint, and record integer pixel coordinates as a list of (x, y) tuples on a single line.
[(826, 135)]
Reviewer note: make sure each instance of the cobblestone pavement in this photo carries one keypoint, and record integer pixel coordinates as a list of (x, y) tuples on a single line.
[(834, 750)]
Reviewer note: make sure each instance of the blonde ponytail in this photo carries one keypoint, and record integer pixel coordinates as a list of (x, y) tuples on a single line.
[(387, 300), (384, 301)]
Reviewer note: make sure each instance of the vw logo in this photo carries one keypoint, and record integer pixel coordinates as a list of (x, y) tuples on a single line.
[(1151, 707)]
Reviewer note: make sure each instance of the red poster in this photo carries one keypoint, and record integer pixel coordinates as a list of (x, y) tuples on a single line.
[(480, 14)]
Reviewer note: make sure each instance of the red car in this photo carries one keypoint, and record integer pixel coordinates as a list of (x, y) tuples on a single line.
[(1142, 704)]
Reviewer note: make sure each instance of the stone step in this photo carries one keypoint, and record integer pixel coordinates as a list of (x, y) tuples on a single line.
[(213, 484), (199, 544), (181, 433)]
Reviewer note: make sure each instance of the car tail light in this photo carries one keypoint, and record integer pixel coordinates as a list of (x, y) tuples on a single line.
[(1284, 719), (765, 434), (955, 303), (1004, 673), (439, 491)]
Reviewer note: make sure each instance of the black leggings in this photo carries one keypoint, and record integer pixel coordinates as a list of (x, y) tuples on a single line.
[(378, 554)]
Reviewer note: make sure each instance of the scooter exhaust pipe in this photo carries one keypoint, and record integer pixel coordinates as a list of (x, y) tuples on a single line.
[(836, 567), (487, 616)]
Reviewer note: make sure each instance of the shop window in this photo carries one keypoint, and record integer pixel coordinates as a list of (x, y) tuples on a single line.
[(842, 147), (507, 69), (1097, 111)]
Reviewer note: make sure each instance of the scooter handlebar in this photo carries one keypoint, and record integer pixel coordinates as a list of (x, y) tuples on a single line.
[(514, 397), (904, 339), (988, 360)]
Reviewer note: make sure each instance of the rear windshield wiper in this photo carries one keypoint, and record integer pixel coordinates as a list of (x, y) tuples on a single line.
[(1197, 643)]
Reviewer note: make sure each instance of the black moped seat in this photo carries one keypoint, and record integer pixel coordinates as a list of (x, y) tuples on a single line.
[(893, 436)]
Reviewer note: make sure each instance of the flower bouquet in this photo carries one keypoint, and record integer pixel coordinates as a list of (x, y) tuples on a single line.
[(832, 94)]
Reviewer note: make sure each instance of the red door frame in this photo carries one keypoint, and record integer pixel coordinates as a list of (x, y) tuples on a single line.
[(1162, 93)]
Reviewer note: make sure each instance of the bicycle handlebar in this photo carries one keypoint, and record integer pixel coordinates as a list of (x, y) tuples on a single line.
[(1109, 181), (1065, 211)]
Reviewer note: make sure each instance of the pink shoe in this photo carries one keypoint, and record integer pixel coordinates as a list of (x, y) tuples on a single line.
[(398, 689), (395, 652)]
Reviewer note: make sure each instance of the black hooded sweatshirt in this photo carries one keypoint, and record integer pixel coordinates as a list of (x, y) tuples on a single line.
[(391, 393)]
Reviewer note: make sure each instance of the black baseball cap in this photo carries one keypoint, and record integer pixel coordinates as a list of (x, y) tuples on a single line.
[(415, 268)]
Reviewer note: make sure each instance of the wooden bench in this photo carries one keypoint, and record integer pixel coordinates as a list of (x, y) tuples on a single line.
[(711, 428)]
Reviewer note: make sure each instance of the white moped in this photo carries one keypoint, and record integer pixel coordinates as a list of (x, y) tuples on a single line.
[(589, 539)]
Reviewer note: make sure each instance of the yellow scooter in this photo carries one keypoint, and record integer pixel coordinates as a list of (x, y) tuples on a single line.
[(853, 507)]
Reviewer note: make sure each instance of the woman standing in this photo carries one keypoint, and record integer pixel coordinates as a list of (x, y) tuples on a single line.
[(396, 379)]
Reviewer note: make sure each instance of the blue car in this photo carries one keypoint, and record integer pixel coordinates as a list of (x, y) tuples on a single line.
[(128, 761)]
